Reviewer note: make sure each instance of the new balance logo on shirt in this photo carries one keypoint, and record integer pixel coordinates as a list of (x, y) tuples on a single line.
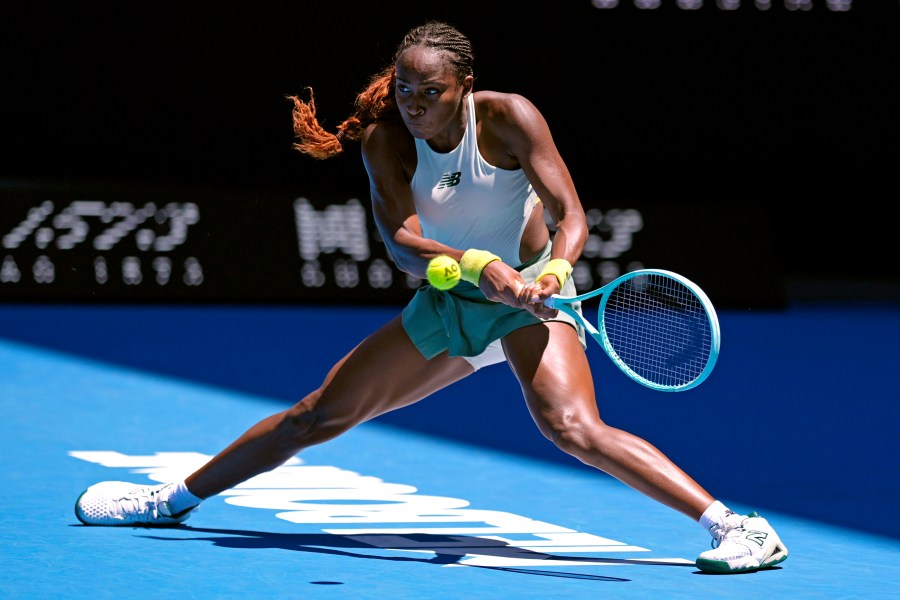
[(449, 180)]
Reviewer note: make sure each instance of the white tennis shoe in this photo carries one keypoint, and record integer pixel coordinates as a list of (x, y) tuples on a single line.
[(114, 503), (744, 543)]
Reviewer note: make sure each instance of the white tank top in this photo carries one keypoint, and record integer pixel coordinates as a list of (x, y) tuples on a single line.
[(464, 202)]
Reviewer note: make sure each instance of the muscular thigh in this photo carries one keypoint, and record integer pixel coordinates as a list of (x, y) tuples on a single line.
[(384, 372), (553, 371)]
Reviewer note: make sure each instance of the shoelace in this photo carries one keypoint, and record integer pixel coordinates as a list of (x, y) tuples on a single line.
[(142, 501), (726, 531)]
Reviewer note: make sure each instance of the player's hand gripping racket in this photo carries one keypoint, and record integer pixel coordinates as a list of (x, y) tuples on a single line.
[(657, 326)]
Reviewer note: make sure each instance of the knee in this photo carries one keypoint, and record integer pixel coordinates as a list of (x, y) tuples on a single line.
[(576, 433), (307, 423), (300, 425), (300, 422), (288, 433)]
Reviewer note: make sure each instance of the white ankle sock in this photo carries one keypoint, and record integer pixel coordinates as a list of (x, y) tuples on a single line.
[(182, 499), (714, 516)]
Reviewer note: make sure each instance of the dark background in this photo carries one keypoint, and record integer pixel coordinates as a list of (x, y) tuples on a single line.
[(782, 121)]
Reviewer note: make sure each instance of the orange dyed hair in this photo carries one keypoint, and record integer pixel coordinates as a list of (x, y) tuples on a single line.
[(376, 101), (372, 104)]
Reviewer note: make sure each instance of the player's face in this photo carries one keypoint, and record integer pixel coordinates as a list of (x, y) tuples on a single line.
[(430, 98)]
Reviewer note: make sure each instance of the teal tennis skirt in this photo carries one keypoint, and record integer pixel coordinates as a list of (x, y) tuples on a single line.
[(464, 322)]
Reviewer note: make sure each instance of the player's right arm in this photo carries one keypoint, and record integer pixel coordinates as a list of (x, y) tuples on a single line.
[(389, 155)]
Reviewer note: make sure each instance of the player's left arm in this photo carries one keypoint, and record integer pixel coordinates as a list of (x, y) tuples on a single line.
[(528, 139)]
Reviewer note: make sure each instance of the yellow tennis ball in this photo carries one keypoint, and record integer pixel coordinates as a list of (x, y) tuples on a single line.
[(443, 272)]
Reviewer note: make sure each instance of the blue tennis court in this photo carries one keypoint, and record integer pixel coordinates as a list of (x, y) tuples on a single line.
[(451, 498)]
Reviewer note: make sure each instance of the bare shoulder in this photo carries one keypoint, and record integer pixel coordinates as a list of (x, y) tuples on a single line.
[(388, 145), (384, 134), (509, 126), (504, 109)]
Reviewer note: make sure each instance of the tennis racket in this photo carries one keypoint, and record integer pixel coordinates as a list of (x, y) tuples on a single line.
[(658, 327)]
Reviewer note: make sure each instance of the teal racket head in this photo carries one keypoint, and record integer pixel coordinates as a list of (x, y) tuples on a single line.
[(660, 329)]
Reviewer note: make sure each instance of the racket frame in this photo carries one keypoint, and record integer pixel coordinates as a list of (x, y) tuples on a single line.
[(564, 304)]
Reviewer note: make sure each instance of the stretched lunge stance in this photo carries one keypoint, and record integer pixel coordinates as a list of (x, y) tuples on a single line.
[(468, 175)]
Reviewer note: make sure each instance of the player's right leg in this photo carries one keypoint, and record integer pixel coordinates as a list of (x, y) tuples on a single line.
[(743, 543), (557, 383), (384, 372)]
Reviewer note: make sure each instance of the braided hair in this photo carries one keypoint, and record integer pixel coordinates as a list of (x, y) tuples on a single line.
[(376, 101)]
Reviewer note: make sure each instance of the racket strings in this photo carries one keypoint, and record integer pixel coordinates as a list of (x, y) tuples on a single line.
[(659, 329)]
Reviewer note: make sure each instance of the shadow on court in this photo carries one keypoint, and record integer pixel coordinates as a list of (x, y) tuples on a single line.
[(447, 549)]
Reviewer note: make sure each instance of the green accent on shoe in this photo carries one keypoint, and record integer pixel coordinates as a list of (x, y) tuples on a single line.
[(721, 567), (774, 560), (713, 566)]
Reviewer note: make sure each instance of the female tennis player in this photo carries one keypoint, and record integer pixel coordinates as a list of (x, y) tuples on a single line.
[(468, 174)]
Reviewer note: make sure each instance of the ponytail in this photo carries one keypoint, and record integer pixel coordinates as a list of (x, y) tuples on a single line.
[(375, 102)]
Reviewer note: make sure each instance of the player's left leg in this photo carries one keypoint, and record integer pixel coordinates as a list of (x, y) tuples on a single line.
[(556, 380), (557, 383)]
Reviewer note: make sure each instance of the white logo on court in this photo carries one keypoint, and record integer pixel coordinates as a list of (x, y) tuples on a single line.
[(323, 494)]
